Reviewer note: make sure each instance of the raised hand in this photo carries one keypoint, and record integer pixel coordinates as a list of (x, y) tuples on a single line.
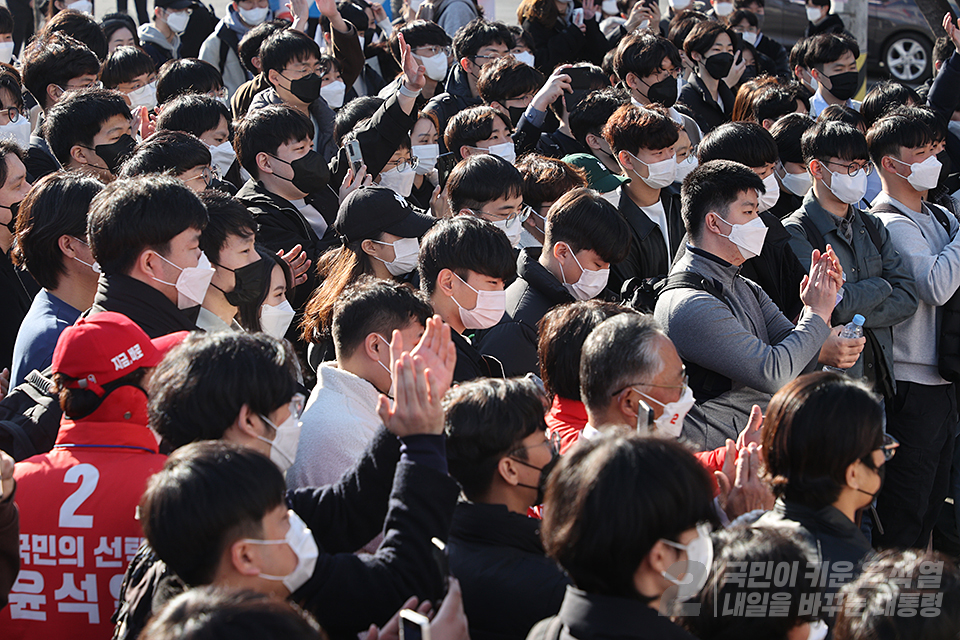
[(414, 73), (953, 29), (351, 183), (589, 9), (736, 71), (747, 492), (754, 431), (296, 258), (819, 287), (555, 86)]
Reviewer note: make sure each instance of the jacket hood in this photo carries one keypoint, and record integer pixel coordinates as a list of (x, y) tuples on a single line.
[(232, 20), (457, 82), (149, 33), (495, 525), (120, 420)]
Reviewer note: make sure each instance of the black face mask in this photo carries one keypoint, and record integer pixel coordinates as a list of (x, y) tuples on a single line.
[(307, 88), (115, 153), (718, 65), (248, 283), (663, 92), (310, 173), (544, 475), (844, 85), (12, 225)]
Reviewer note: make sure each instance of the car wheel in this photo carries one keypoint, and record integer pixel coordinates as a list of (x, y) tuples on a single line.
[(908, 58)]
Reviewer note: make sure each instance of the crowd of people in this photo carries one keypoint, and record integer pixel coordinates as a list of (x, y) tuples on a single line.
[(639, 324)]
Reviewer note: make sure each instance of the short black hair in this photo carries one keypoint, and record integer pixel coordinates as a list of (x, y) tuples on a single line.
[(57, 205), (842, 113), (462, 244), (885, 95), (713, 187), (798, 54), (352, 114), (483, 178), (892, 578), (619, 352), (773, 102), (739, 15), (563, 330), (226, 216), (207, 496), (507, 78), (642, 55), (186, 75), (125, 64), (902, 128), (6, 20), (745, 142), (943, 48), (283, 47), (829, 47), (583, 219), (78, 117), (168, 152), (134, 214), (81, 26), (470, 126), (371, 305), (477, 34), (829, 139), (198, 389), (632, 128), (210, 613), (787, 133), (682, 24), (55, 59), (249, 46), (703, 36), (418, 33), (806, 455), (193, 113), (545, 179), (593, 112), (599, 538), (265, 130), (486, 420)]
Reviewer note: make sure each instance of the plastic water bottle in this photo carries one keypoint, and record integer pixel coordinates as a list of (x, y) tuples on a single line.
[(854, 329)]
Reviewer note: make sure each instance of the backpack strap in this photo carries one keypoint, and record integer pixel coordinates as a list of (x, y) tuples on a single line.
[(874, 232), (938, 214), (228, 41), (689, 280), (813, 234)]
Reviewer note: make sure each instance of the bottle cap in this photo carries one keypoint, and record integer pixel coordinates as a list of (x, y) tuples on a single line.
[(859, 319)]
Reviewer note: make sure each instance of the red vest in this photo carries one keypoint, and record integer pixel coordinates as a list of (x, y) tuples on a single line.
[(78, 529)]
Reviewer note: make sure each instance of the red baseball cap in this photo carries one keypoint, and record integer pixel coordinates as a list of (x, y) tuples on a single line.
[(106, 346)]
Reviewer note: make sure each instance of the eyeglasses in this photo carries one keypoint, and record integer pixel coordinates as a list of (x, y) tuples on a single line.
[(13, 114), (402, 165), (430, 50), (552, 439), (853, 167), (93, 84), (682, 385), (297, 403), (488, 59), (206, 174), (523, 213), (222, 93)]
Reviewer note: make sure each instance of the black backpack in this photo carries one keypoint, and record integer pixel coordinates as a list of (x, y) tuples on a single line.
[(30, 417), (228, 40)]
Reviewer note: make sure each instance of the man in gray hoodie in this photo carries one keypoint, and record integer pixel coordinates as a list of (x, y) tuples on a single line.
[(220, 47), (162, 38), (729, 333)]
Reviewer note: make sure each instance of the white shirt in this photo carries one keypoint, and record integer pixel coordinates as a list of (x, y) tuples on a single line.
[(659, 217), (818, 103), (312, 216)]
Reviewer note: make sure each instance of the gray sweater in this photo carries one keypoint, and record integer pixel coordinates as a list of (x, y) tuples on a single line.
[(749, 340), (933, 259)]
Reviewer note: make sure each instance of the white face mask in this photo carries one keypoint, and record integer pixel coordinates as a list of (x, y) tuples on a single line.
[(748, 237), (590, 283), (145, 96), (333, 93), (796, 183), (401, 182), (513, 228), (768, 198), (286, 437), (95, 267), (507, 151), (490, 307), (610, 7), (847, 188), (613, 197), (723, 9), (300, 540), (6, 52), (426, 155), (679, 5), (699, 552), (405, 252), (813, 82), (18, 131), (670, 422), (436, 66), (686, 167), (749, 37), (526, 58), (222, 157), (661, 174), (813, 14), (818, 630), (923, 175), (275, 320), (178, 21), (387, 351), (254, 16), (83, 6), (192, 283)]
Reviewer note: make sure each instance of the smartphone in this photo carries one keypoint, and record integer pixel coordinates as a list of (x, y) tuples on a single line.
[(577, 17), (414, 626), (644, 418), (354, 156), (579, 87), (445, 164), (442, 560)]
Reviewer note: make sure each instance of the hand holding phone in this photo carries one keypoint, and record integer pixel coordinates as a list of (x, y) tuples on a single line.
[(354, 155), (577, 17), (414, 626)]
